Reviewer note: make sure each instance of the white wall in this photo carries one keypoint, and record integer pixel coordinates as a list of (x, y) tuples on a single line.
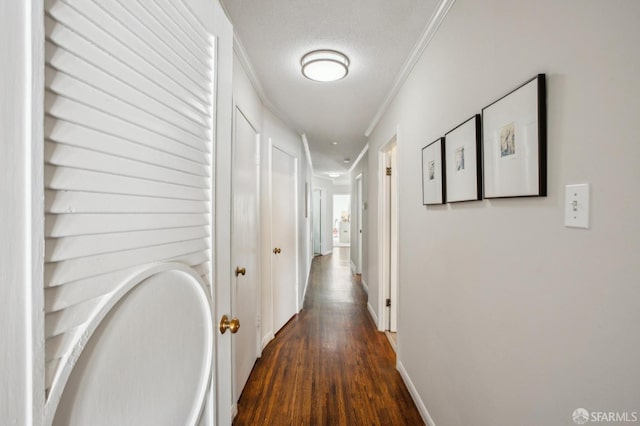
[(507, 317), (21, 227)]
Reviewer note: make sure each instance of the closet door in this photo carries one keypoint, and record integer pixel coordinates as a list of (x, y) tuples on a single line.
[(129, 112)]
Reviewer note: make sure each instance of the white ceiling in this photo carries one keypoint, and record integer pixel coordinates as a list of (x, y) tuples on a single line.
[(378, 36)]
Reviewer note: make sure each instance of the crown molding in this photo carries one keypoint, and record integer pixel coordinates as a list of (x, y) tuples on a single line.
[(427, 35), (307, 152), (245, 62), (355, 163)]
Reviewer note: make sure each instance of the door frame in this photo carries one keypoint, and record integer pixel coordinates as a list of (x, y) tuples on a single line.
[(359, 217), (317, 218), (388, 272)]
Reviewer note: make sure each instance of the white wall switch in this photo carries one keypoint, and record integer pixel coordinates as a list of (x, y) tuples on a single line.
[(576, 206)]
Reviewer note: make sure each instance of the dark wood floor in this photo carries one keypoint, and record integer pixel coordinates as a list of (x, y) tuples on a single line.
[(328, 365)]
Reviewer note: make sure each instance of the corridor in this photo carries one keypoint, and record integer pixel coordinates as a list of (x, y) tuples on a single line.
[(329, 365)]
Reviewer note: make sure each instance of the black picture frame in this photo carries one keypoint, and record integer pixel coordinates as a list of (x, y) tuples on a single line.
[(463, 161), (434, 189), (514, 138)]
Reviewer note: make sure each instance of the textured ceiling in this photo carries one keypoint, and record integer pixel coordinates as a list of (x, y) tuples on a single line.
[(377, 36)]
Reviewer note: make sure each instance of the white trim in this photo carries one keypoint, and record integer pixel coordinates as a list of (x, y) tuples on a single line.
[(234, 411), (427, 35), (307, 152), (324, 253), (355, 163), (306, 284), (371, 311), (267, 338), (414, 395), (365, 286), (353, 268), (245, 62)]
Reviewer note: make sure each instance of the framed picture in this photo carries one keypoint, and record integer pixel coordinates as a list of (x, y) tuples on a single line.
[(514, 130), (463, 161), (433, 173)]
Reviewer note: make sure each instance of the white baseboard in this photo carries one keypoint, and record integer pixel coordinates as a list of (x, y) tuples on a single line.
[(372, 313), (265, 341), (324, 253), (353, 268), (414, 394), (365, 286), (306, 284), (234, 411)]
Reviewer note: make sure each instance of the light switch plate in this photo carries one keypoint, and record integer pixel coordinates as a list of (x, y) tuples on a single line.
[(576, 206)]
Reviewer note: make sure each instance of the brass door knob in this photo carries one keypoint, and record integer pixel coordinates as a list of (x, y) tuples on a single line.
[(233, 325), (277, 250), (240, 271)]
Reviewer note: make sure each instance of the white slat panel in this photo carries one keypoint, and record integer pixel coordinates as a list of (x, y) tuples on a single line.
[(128, 157), (61, 321), (73, 134), (65, 155), (67, 62), (110, 32), (62, 296), (186, 21), (163, 46), (62, 202), (71, 88), (70, 270), (64, 225), (161, 25), (67, 109), (169, 95), (59, 249), (67, 37), (65, 178)]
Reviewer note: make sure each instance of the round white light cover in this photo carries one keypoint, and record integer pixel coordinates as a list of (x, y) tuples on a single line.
[(325, 65)]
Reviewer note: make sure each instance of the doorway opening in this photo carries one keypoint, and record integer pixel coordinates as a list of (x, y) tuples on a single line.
[(342, 220)]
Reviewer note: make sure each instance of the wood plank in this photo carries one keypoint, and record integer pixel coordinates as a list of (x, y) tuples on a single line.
[(79, 158), (66, 178), (329, 365), (59, 249), (83, 137), (63, 225)]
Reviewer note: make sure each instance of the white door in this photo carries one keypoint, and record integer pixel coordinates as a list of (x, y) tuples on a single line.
[(245, 248), (284, 225), (317, 221), (393, 249), (130, 130)]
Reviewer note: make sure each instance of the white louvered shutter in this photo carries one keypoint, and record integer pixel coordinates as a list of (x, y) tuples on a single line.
[(128, 152)]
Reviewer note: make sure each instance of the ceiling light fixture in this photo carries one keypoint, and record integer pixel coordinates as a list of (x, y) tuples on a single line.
[(334, 175), (324, 65), (346, 161)]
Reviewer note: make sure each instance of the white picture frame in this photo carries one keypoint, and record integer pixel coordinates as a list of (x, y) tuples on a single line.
[(433, 173), (463, 161), (515, 144)]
